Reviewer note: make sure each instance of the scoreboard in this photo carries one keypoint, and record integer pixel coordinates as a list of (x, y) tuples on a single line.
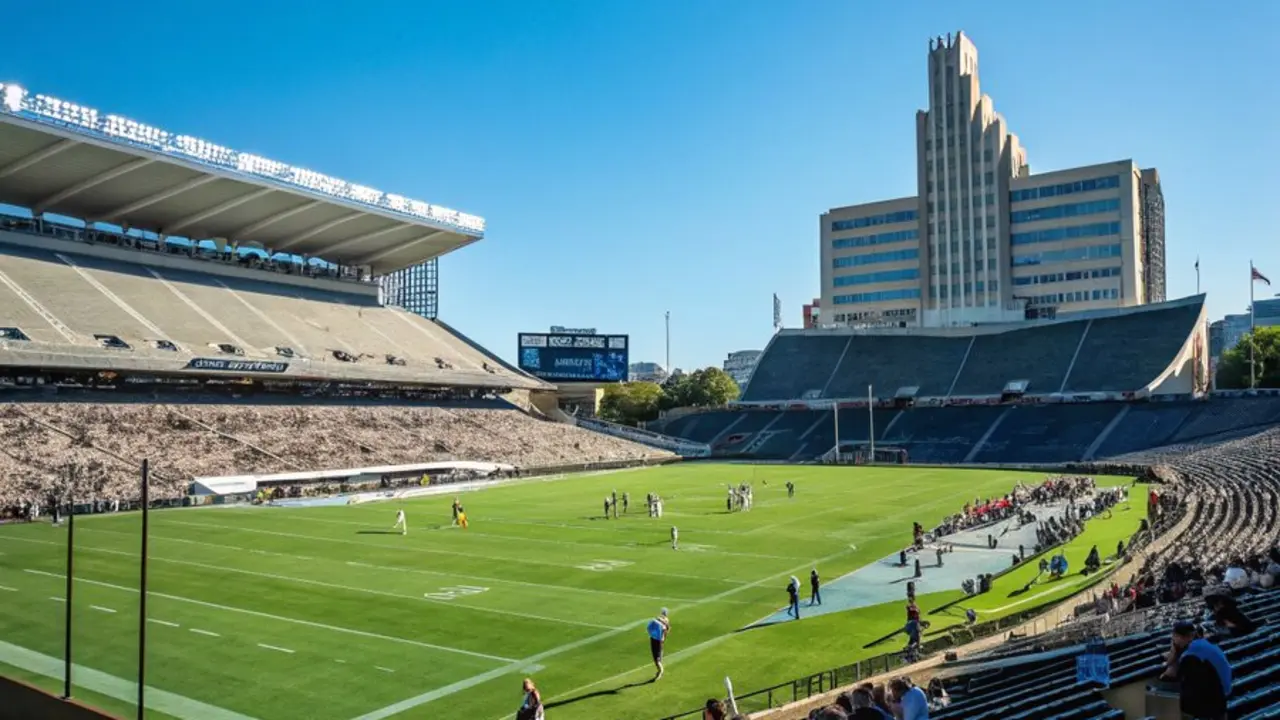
[(572, 357)]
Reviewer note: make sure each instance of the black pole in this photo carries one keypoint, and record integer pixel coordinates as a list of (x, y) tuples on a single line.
[(66, 623), (142, 597)]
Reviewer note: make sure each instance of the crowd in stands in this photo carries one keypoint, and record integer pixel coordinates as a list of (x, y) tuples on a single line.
[(93, 451)]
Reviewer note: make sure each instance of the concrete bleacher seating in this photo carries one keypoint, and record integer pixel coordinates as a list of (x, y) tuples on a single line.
[(940, 435), (795, 366), (62, 300), (1046, 434), (1127, 351), (1051, 433), (1040, 355), (1122, 351), (877, 362)]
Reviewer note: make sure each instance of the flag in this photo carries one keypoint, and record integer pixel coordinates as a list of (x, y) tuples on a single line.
[(1197, 264), (777, 312), (1256, 276)]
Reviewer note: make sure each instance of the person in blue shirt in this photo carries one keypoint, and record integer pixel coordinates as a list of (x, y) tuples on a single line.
[(1203, 673), (910, 699), (658, 629)]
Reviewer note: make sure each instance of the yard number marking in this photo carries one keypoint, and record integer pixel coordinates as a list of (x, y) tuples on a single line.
[(604, 565), (455, 591)]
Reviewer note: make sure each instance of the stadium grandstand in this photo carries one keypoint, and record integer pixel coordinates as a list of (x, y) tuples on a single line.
[(225, 309)]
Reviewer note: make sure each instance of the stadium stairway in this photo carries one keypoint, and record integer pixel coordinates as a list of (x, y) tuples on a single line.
[(1039, 355)]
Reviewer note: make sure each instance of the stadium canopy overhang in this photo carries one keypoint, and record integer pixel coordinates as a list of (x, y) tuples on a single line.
[(66, 159)]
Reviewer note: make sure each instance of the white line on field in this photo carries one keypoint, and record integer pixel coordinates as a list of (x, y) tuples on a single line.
[(170, 704), (431, 550), (386, 670), (277, 649), (351, 588), (198, 631), (281, 618), (436, 694), (9, 589), (341, 662), (416, 571), (163, 622), (99, 608), (57, 599)]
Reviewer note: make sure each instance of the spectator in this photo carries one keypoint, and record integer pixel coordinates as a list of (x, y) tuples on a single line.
[(911, 700), (1202, 672), (531, 706), (1228, 615), (864, 706), (714, 710)]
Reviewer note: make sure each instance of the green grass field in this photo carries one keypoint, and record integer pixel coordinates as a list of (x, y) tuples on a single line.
[(320, 613)]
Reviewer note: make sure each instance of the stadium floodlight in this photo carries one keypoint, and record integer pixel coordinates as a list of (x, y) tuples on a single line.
[(16, 100)]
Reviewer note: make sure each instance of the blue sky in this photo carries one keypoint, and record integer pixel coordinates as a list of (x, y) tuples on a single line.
[(638, 157)]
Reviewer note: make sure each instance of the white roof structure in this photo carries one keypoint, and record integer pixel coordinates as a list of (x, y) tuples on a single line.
[(72, 160)]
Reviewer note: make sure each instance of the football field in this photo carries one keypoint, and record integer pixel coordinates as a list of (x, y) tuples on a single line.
[(324, 612)]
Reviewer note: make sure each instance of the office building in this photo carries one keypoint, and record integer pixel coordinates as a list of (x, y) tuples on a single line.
[(984, 240), (647, 372), (739, 365), (812, 314), (1226, 333)]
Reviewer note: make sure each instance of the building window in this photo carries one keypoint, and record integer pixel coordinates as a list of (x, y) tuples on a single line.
[(1079, 186), (877, 277), (880, 239), (878, 257), (1065, 233), (873, 220), (1054, 212), (1087, 252), (877, 296)]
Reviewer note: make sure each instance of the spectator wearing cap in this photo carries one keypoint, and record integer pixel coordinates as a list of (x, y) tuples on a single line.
[(864, 706), (1203, 674)]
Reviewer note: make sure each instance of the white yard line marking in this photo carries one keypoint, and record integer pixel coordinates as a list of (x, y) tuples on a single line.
[(341, 662), (99, 608), (198, 631), (277, 649), (170, 704), (622, 547), (416, 571), (57, 599), (386, 670), (350, 588), (430, 550), (8, 589), (281, 618), (166, 623), (518, 665)]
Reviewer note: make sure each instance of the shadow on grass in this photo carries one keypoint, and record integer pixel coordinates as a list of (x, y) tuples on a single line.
[(378, 532), (596, 694)]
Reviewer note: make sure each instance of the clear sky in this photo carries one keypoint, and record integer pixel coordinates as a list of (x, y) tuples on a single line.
[(637, 157)]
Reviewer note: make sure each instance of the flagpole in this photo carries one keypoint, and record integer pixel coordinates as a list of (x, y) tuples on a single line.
[(1252, 340)]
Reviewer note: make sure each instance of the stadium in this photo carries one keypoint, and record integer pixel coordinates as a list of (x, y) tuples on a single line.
[(212, 415)]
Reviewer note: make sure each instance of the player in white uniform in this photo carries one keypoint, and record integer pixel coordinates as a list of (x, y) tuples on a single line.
[(401, 523), (675, 538)]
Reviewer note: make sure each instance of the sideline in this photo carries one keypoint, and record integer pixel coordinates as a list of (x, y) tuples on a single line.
[(170, 704)]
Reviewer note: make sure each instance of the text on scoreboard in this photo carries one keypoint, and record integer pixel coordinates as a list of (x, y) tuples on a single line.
[(583, 358)]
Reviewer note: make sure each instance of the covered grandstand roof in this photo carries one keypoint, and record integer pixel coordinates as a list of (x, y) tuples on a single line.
[(63, 158)]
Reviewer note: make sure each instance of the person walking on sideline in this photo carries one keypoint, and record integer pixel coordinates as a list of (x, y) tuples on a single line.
[(675, 538), (658, 629), (793, 598), (815, 588), (531, 706)]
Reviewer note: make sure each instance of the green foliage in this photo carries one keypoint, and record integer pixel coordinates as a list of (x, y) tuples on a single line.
[(708, 387), (1233, 367), (630, 403)]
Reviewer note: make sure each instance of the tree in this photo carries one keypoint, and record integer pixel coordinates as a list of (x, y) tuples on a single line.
[(630, 403), (708, 387), (1233, 367)]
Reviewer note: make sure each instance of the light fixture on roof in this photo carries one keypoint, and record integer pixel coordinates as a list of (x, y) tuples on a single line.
[(16, 100)]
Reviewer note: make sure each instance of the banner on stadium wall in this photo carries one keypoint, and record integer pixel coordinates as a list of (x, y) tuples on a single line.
[(228, 365)]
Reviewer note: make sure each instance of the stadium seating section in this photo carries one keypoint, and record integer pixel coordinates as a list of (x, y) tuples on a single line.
[(1116, 353), (1051, 433), (63, 301), (107, 441)]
